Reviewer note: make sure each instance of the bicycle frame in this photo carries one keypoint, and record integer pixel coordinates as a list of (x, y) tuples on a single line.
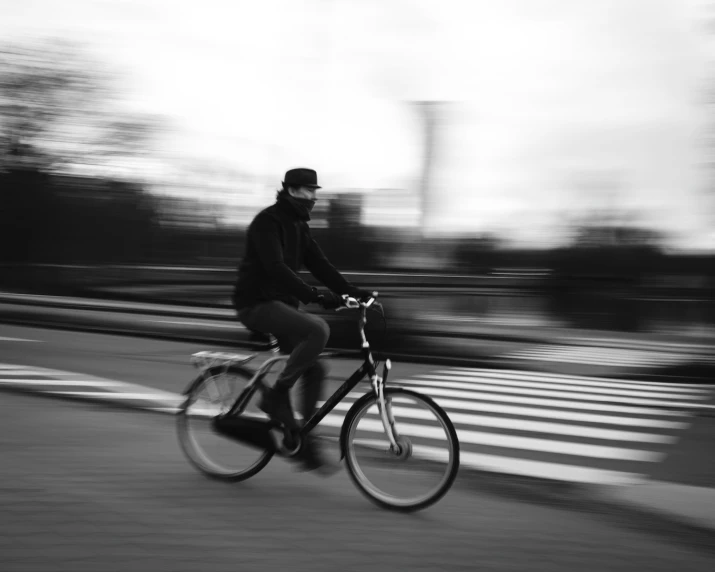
[(367, 369)]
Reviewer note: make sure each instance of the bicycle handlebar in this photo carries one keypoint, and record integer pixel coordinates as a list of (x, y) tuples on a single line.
[(353, 303)]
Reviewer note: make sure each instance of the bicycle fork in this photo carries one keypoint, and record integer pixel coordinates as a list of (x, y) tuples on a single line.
[(385, 408)]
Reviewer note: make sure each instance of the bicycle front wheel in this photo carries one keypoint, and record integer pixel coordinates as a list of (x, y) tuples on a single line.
[(422, 468), (211, 452)]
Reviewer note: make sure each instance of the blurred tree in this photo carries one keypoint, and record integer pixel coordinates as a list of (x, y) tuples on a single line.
[(58, 110), (69, 157), (38, 87)]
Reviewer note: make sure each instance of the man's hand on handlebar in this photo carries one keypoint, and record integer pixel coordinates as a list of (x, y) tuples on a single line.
[(331, 301), (361, 295), (353, 302)]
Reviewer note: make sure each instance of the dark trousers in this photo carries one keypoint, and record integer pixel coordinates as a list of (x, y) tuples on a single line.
[(300, 334)]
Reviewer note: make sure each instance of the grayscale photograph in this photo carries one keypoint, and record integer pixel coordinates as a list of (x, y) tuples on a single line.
[(357, 285)]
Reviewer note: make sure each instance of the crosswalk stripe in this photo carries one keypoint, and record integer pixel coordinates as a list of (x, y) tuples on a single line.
[(17, 371), (587, 361), (118, 396), (651, 421), (625, 352), (525, 425), (519, 374), (527, 467), (65, 382), (556, 380), (652, 344), (633, 353), (508, 441), (546, 393), (564, 415), (598, 356), (465, 383), (474, 396)]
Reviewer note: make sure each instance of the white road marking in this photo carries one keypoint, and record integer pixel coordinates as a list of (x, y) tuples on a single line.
[(498, 385), (4, 339), (118, 396), (18, 372), (543, 393), (600, 356), (514, 466), (203, 324), (555, 380), (644, 344), (507, 441), (67, 382), (519, 374), (525, 425), (460, 391), (473, 396), (552, 413)]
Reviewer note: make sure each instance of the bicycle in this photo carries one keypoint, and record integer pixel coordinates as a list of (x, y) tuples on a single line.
[(373, 431)]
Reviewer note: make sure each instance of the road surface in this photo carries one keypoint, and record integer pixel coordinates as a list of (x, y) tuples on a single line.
[(101, 489)]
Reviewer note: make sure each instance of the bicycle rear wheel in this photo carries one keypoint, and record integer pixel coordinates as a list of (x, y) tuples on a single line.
[(426, 464), (211, 452)]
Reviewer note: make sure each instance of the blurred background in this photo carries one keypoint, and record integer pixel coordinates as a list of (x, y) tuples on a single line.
[(525, 162)]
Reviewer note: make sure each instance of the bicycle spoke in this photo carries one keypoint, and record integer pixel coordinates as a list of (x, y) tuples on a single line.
[(426, 463), (213, 453)]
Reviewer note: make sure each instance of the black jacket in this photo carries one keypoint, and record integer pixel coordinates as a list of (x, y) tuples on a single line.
[(278, 245)]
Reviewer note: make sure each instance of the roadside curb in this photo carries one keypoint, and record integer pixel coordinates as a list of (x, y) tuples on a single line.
[(663, 500)]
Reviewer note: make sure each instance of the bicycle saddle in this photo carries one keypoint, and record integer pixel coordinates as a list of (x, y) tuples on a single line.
[(259, 337), (265, 341)]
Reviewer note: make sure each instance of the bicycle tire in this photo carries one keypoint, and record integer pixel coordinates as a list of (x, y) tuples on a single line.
[(189, 445), (357, 412)]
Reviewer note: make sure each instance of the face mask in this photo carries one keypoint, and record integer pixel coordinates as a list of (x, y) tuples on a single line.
[(307, 203), (302, 206)]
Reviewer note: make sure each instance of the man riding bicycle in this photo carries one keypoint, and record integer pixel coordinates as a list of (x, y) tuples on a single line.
[(268, 292)]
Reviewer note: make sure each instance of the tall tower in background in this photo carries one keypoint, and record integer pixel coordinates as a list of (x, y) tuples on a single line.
[(429, 113)]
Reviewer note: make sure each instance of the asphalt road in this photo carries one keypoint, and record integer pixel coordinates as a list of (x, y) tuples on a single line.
[(84, 487), (99, 489)]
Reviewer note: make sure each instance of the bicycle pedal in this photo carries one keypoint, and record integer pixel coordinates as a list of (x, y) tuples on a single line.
[(286, 443)]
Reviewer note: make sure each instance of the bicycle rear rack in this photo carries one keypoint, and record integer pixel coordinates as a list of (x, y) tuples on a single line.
[(206, 359)]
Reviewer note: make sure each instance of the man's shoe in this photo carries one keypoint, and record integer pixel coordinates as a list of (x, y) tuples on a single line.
[(310, 458), (276, 404)]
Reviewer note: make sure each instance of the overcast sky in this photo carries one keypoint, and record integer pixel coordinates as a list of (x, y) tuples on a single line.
[(545, 94)]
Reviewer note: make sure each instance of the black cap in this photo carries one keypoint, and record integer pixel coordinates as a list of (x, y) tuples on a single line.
[(301, 178)]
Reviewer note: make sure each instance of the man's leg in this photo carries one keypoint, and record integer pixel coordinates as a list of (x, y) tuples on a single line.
[(311, 387), (304, 336)]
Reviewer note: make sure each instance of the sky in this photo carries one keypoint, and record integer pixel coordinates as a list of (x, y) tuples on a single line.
[(551, 108)]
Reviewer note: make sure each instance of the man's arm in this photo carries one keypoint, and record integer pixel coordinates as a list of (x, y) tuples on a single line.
[(323, 270), (265, 235)]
